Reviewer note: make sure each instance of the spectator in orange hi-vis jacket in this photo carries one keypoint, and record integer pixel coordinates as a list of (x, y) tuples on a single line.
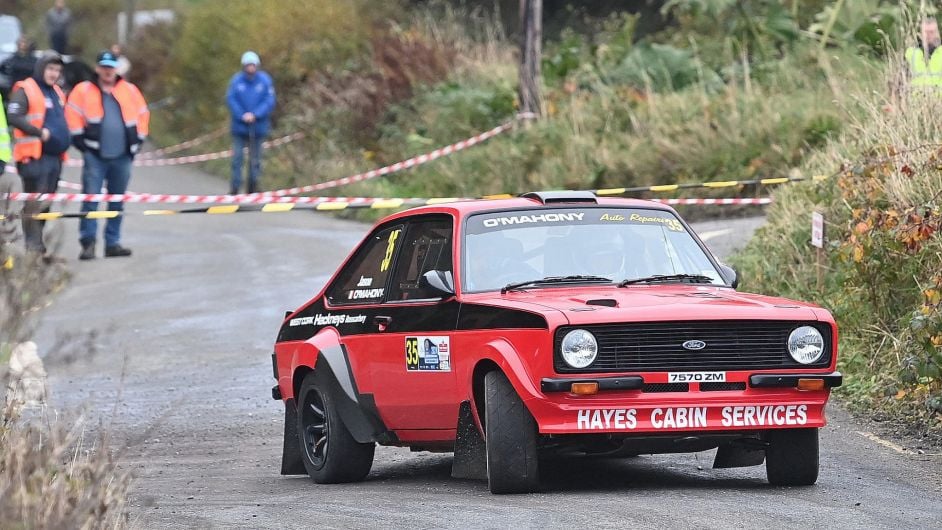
[(108, 120), (40, 142)]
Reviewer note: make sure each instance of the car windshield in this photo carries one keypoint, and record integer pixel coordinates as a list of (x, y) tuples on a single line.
[(618, 244)]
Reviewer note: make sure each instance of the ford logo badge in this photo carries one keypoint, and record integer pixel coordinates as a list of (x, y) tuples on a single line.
[(694, 345)]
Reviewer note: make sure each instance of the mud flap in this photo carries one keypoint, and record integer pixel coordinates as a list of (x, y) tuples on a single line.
[(291, 463), (738, 455), (470, 460)]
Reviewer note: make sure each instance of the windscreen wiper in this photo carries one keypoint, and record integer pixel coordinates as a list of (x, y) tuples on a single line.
[(555, 279), (664, 278)]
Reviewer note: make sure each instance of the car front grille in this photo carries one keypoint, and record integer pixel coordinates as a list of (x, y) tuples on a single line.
[(665, 387), (721, 387), (658, 346)]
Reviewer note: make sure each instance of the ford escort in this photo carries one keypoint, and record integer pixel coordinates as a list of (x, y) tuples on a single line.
[(555, 323)]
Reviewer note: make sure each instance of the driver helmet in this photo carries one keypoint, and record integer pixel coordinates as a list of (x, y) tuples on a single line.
[(602, 254)]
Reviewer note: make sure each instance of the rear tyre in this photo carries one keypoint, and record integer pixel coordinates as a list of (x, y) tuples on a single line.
[(329, 452), (510, 431), (791, 458)]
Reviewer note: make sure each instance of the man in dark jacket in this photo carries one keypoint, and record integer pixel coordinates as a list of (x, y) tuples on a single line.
[(251, 99), (41, 139), (20, 65)]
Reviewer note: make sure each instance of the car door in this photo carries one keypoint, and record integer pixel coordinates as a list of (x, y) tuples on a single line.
[(351, 303), (414, 378)]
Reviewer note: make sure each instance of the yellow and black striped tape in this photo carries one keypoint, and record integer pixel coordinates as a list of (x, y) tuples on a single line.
[(713, 184), (234, 208), (398, 203)]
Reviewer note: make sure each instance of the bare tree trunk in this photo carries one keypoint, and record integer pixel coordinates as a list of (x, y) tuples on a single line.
[(531, 21)]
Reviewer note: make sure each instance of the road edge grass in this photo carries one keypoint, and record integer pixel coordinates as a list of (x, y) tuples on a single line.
[(53, 473)]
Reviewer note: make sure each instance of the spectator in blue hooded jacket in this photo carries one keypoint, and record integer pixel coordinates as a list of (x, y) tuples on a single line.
[(251, 99)]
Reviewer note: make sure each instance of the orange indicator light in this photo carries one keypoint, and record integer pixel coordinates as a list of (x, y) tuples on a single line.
[(585, 389), (811, 384)]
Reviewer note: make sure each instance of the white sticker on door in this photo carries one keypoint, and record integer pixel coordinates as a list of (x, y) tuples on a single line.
[(428, 354)]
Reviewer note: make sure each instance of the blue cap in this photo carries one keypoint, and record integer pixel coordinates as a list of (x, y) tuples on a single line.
[(250, 58), (107, 59)]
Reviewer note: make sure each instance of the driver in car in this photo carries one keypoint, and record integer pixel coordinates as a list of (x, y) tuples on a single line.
[(495, 261), (601, 253)]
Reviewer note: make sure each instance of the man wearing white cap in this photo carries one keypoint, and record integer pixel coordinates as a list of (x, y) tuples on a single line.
[(251, 99)]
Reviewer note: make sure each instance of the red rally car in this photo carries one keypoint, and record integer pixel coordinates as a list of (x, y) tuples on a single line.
[(553, 323)]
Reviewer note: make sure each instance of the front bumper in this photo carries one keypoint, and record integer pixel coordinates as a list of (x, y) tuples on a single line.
[(636, 382), (769, 401)]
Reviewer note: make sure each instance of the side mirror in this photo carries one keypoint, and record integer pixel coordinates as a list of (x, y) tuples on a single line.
[(729, 273), (441, 281)]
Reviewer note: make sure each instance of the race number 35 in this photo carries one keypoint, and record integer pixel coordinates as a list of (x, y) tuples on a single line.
[(390, 247), (412, 353)]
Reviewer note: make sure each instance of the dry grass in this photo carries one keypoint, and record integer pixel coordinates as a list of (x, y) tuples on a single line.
[(51, 475), (476, 36)]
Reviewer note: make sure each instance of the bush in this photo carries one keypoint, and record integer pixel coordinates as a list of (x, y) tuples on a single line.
[(660, 67), (871, 25), (605, 134), (883, 221), (212, 40)]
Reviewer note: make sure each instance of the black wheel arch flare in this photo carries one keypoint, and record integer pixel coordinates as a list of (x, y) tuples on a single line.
[(357, 411)]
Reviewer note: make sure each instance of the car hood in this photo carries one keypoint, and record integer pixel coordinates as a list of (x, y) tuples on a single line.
[(648, 303)]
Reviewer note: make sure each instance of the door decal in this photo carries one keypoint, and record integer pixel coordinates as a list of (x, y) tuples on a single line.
[(428, 354)]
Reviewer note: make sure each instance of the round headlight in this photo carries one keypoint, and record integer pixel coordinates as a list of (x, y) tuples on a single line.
[(579, 348), (806, 345)]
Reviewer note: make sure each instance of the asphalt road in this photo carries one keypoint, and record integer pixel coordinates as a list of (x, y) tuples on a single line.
[(182, 373)]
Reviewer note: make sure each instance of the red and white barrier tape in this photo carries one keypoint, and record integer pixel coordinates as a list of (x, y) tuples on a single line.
[(196, 158), (392, 168), (199, 140), (371, 174), (398, 166), (151, 198)]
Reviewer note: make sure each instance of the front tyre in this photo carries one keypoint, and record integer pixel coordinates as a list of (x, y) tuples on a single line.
[(510, 443), (791, 458), (329, 452)]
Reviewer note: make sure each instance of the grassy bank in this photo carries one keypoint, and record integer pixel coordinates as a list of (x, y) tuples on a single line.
[(619, 112), (883, 260)]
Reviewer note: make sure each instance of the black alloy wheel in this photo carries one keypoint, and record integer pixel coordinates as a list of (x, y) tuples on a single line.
[(316, 429), (330, 454)]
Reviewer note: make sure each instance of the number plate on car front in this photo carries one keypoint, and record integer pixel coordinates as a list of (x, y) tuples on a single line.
[(696, 377)]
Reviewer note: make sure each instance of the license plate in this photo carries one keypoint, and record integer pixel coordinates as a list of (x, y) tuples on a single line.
[(696, 377)]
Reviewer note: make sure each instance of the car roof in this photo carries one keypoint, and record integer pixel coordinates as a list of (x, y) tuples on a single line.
[(468, 207)]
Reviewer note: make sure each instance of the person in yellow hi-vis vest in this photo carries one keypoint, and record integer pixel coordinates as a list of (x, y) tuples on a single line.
[(5, 152), (6, 185), (925, 61)]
